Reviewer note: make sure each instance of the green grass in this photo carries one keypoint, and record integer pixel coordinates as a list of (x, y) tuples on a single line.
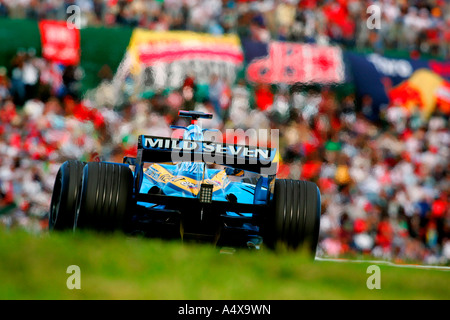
[(117, 267)]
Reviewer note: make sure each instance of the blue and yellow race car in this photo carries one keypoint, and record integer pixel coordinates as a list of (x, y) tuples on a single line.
[(192, 189)]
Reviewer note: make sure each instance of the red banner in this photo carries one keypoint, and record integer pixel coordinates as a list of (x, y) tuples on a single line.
[(298, 63), (59, 43)]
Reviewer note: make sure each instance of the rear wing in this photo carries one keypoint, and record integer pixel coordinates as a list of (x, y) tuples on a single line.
[(248, 158)]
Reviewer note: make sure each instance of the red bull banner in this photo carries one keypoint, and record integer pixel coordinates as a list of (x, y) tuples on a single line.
[(298, 63), (59, 43), (411, 83), (165, 58), (443, 97)]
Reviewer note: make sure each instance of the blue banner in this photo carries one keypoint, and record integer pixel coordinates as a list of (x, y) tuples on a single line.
[(375, 75)]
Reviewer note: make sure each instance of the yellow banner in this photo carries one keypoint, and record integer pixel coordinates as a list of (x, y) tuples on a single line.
[(147, 48)]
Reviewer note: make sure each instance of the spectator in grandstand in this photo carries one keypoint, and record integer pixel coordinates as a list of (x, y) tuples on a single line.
[(4, 11)]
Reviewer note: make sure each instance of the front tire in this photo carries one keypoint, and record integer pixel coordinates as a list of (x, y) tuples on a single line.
[(294, 217), (106, 194)]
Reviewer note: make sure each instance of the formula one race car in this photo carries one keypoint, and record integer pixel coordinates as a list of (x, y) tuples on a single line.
[(192, 189)]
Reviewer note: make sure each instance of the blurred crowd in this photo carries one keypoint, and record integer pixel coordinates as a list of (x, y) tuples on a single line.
[(41, 124), (419, 26), (384, 180), (384, 183)]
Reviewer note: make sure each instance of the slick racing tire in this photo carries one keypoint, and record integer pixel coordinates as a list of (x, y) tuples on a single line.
[(294, 218), (105, 197), (66, 190)]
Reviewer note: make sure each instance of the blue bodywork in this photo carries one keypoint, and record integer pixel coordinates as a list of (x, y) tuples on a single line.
[(168, 191)]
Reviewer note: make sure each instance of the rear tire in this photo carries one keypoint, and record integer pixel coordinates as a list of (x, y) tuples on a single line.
[(105, 197), (66, 190), (294, 217)]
